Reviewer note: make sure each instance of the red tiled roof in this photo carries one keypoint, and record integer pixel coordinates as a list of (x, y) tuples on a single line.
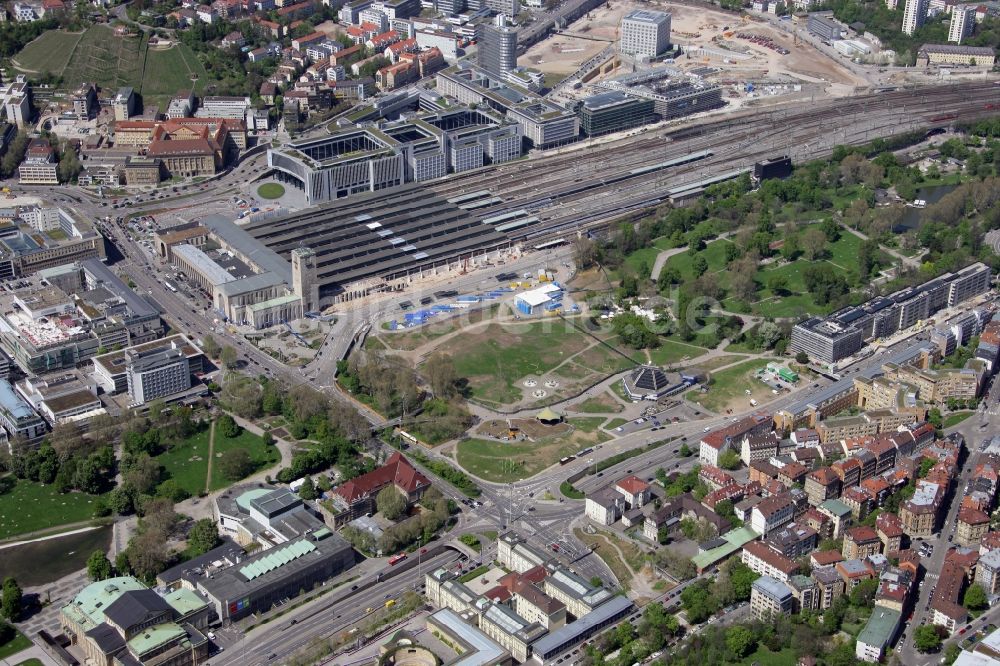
[(771, 557), (972, 516), (633, 485), (397, 470), (889, 524), (862, 534), (822, 558)]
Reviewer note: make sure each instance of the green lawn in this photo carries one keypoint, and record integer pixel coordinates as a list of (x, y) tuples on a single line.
[(17, 644), (271, 191), (956, 418), (30, 662), (586, 423), (670, 352), (714, 253), (170, 70), (262, 454), (494, 359), (614, 423), (600, 404), (48, 53), (504, 462), (187, 462), (646, 257), (762, 655), (30, 507)]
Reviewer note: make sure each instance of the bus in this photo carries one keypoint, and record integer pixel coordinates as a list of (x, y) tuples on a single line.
[(396, 559), (170, 285)]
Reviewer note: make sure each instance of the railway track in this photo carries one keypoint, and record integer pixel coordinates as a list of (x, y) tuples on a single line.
[(592, 207)]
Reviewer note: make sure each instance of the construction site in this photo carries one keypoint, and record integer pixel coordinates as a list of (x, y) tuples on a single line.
[(753, 58)]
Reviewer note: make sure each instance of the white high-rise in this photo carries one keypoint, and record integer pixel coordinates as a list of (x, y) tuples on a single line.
[(963, 18), (645, 32), (914, 14)]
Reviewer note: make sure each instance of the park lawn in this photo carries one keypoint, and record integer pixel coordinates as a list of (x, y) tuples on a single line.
[(271, 190), (762, 655), (720, 361), (50, 52), (586, 423), (956, 418), (170, 70), (609, 357), (844, 251), (646, 257), (714, 253), (728, 388), (670, 352), (604, 403), (30, 662), (30, 507), (17, 644), (614, 423), (187, 462), (263, 455), (495, 358), (505, 462)]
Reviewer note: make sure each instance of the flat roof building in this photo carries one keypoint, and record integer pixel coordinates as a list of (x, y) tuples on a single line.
[(644, 33)]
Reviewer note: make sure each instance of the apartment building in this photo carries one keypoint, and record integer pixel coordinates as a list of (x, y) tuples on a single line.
[(973, 525), (861, 542), (770, 597), (919, 513), (766, 562), (758, 447), (793, 540), (771, 513), (822, 484), (722, 439)]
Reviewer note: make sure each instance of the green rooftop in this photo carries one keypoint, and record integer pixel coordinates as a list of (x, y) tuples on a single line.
[(735, 539), (881, 627), (244, 500), (87, 608), (277, 558), (836, 507), (151, 638), (185, 601)]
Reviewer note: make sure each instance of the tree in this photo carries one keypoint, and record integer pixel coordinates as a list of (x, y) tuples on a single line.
[(99, 566), (802, 358), (926, 639), (227, 425), (14, 154), (236, 464), (308, 489), (864, 593), (390, 503), (210, 346), (951, 653), (440, 372), (975, 597), (740, 641), (147, 554), (228, 357), (69, 164), (779, 285), (635, 331), (10, 606), (699, 265), (729, 460), (685, 451), (813, 243), (203, 537)]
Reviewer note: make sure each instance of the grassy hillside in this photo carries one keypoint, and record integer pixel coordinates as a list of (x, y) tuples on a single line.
[(49, 53)]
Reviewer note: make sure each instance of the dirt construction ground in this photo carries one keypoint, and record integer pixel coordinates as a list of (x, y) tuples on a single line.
[(691, 28)]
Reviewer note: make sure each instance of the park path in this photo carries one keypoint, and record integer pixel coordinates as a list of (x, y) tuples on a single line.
[(211, 457), (87, 527), (913, 262)]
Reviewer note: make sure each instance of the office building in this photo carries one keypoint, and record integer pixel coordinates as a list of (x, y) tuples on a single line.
[(614, 111), (40, 166), (644, 33), (577, 594), (673, 95), (156, 374), (914, 15), (84, 100), (17, 417), (15, 100), (61, 399), (824, 26), (582, 629), (112, 371), (124, 103), (497, 44), (473, 645)]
